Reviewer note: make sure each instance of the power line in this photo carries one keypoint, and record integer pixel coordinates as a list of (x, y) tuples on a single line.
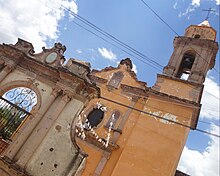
[(155, 13), (114, 38), (109, 36), (159, 117), (209, 123), (115, 46), (152, 63), (205, 122)]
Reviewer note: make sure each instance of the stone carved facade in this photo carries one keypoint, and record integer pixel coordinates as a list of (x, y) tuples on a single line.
[(58, 90), (137, 129)]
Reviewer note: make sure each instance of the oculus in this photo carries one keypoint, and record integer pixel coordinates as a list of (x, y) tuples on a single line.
[(51, 58)]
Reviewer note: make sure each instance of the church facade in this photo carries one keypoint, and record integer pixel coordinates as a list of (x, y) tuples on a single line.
[(99, 122)]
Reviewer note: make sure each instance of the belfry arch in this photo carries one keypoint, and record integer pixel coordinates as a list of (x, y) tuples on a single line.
[(186, 64)]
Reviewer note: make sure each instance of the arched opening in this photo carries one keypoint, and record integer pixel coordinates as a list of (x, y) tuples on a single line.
[(186, 65), (15, 105), (113, 119), (197, 36), (95, 117)]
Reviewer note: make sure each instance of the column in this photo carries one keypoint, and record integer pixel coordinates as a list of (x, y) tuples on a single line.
[(41, 131), (6, 70)]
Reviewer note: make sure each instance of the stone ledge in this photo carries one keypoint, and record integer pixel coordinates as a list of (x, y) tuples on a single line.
[(9, 168)]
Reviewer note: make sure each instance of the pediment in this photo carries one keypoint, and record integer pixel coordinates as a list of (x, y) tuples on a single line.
[(115, 76)]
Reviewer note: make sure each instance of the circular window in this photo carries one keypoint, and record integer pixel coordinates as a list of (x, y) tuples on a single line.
[(51, 57)]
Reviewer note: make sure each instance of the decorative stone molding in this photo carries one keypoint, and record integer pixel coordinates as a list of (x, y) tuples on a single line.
[(133, 90), (56, 91), (127, 62), (190, 41), (90, 138), (24, 46), (57, 47), (10, 168), (67, 96), (97, 79)]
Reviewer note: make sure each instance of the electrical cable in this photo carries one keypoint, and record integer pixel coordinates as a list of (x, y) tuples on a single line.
[(127, 47), (210, 123), (116, 46), (159, 117), (154, 12), (110, 36)]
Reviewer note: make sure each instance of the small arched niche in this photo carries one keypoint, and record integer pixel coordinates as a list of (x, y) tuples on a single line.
[(197, 36), (186, 65), (113, 119), (15, 106)]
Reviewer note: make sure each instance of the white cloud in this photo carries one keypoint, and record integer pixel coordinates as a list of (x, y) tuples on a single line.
[(188, 10), (35, 21), (107, 54), (175, 5), (134, 68), (79, 51), (193, 6), (196, 3), (210, 100), (204, 163)]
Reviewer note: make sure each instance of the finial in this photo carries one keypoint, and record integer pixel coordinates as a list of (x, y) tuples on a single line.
[(208, 10)]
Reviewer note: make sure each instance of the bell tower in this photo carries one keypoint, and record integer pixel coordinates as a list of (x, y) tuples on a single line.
[(194, 54)]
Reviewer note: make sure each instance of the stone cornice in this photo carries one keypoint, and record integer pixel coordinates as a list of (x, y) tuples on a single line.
[(97, 79), (12, 168), (110, 68), (199, 42), (84, 87), (180, 80), (145, 93)]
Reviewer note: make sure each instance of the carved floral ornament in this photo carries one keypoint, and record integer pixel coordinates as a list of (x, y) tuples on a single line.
[(83, 128)]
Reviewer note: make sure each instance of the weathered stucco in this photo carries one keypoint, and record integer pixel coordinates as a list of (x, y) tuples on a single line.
[(152, 123), (43, 145), (56, 153)]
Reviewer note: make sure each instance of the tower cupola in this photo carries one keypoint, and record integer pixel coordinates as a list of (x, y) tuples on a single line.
[(194, 53), (201, 31)]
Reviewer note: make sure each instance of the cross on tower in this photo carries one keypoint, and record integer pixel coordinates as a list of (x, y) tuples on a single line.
[(209, 10)]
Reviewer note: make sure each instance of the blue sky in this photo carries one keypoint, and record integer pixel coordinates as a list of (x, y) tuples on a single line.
[(43, 23)]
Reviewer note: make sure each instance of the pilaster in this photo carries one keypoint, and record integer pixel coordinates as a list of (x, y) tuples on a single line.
[(42, 129), (27, 128), (5, 71)]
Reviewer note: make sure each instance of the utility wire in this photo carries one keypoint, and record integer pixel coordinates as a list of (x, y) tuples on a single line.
[(149, 64), (99, 30), (152, 10), (159, 117), (117, 40), (209, 123), (152, 63), (174, 31), (205, 122)]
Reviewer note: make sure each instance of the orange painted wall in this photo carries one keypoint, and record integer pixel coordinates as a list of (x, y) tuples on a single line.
[(148, 145)]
